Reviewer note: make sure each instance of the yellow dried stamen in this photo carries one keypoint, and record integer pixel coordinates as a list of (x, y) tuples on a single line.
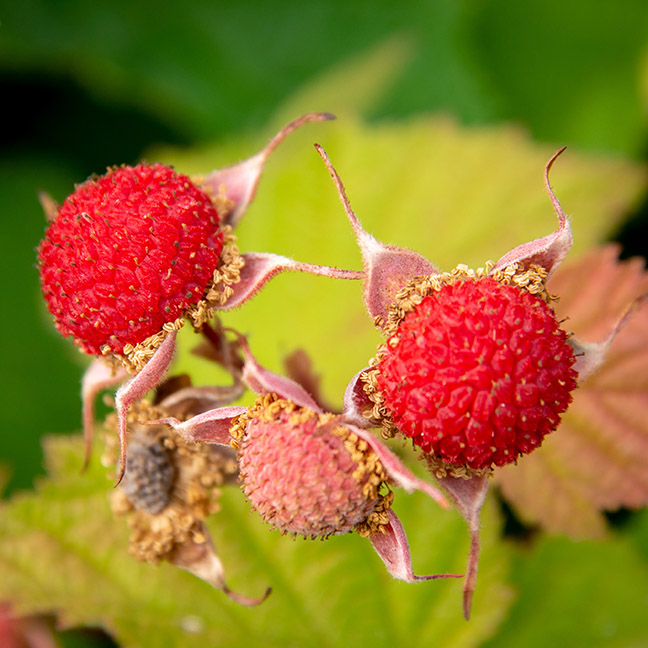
[(219, 290), (135, 357), (378, 414), (267, 408), (441, 469), (378, 519), (224, 205), (531, 279), (369, 471), (373, 477)]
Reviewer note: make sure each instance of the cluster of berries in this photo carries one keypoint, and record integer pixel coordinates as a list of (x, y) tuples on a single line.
[(474, 369)]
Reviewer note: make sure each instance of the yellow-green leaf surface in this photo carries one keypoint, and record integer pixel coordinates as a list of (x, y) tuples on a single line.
[(63, 552), (456, 195)]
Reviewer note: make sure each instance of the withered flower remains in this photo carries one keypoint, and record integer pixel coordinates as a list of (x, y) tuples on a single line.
[(170, 487)]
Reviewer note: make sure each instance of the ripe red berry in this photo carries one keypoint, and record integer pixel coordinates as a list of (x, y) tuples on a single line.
[(477, 373), (126, 254), (306, 474)]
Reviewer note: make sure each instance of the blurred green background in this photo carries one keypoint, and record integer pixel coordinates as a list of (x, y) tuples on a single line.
[(87, 85)]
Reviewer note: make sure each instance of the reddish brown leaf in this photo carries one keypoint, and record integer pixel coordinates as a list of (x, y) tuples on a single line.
[(597, 460)]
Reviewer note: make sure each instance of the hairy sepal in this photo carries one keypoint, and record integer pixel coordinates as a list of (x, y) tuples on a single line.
[(202, 561), (201, 399), (468, 496), (238, 183), (356, 401), (260, 267), (212, 426), (549, 251), (591, 355), (387, 268), (137, 387), (98, 376), (393, 548), (396, 469), (263, 381)]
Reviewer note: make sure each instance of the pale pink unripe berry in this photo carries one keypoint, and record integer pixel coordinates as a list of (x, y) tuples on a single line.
[(306, 473)]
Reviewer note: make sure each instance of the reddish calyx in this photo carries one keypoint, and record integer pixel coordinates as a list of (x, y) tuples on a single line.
[(127, 253), (477, 373)]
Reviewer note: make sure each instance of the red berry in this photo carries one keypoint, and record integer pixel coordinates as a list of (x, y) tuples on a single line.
[(306, 475), (127, 253), (477, 373)]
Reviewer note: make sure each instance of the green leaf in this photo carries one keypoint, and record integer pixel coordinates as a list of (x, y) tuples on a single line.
[(352, 87), (579, 594), (574, 79), (63, 552)]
